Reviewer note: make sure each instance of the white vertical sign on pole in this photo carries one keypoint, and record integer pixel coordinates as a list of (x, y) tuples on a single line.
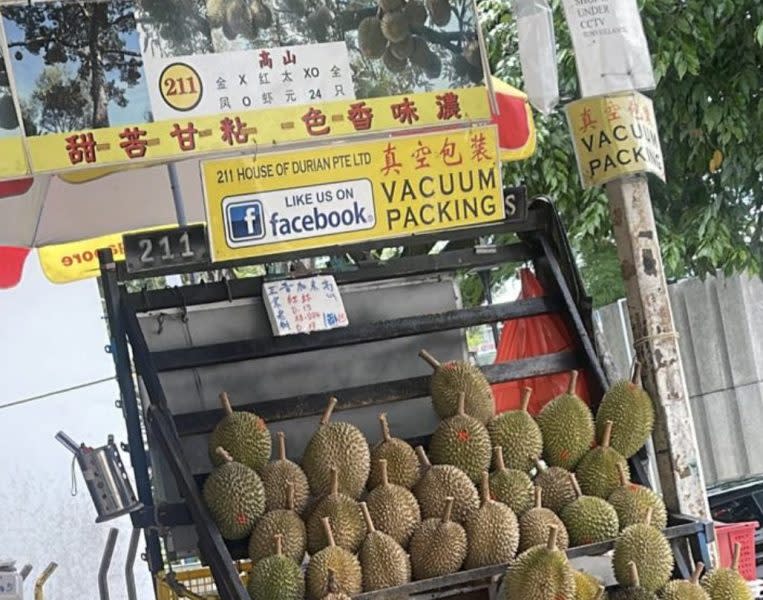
[(611, 51)]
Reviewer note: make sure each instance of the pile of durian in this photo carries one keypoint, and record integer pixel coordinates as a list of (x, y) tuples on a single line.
[(371, 518), (389, 36), (239, 17)]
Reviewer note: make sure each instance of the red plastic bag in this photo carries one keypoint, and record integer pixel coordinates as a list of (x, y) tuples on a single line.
[(534, 336)]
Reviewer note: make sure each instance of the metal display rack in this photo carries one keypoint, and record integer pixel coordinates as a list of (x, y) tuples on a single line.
[(540, 238)]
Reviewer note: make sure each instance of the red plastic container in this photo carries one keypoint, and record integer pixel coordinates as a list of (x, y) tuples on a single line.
[(728, 534)]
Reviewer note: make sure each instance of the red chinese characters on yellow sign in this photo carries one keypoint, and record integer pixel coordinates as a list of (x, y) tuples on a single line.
[(615, 136), (162, 140)]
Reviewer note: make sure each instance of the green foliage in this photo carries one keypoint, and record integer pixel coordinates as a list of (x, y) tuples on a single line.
[(600, 269), (708, 58)]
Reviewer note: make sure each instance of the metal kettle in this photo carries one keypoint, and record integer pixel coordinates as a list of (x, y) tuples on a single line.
[(105, 477)]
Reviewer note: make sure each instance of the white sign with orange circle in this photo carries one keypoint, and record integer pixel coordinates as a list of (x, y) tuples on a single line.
[(210, 84)]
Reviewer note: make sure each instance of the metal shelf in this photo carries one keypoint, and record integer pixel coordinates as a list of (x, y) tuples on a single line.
[(541, 240)]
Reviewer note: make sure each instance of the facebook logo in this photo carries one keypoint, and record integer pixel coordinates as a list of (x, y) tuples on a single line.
[(244, 221)]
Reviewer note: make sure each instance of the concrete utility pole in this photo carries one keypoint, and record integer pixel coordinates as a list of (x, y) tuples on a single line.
[(656, 345)]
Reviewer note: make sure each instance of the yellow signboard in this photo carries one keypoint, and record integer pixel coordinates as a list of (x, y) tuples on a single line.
[(615, 136), (13, 163), (193, 136), (352, 193), (73, 261)]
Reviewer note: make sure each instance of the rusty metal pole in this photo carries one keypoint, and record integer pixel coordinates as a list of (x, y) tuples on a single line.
[(656, 345)]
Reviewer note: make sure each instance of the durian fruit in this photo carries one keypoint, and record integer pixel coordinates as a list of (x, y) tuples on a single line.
[(632, 501), (243, 435), (337, 445), (433, 68), (323, 16), (438, 546), (557, 487), (492, 532), (634, 591), (587, 587), (727, 583), (420, 58), (394, 64), (440, 481), (461, 441), (349, 528), (512, 487), (403, 50), (348, 576), (262, 16), (649, 550), (472, 53), (347, 572), (416, 13), (402, 463), (390, 5), (277, 473), (589, 519), (439, 12), (536, 523), (234, 496), (599, 470), (282, 522), (371, 40), (318, 22), (216, 13), (461, 66), (395, 26), (567, 427), (452, 378), (540, 573), (383, 561), (332, 589), (394, 509), (238, 18), (518, 434), (276, 577), (686, 590), (476, 74), (295, 6), (631, 411)]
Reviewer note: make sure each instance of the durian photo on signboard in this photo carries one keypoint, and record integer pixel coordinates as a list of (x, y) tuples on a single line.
[(9, 123), (134, 80), (13, 161)]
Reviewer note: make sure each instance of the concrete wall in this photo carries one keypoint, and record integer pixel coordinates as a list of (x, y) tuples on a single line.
[(720, 323)]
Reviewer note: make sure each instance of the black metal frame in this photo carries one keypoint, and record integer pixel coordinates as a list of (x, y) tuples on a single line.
[(542, 240)]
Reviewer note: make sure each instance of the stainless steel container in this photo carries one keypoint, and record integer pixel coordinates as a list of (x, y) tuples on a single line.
[(105, 477)]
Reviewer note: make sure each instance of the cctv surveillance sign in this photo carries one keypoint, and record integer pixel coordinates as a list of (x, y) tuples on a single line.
[(270, 204)]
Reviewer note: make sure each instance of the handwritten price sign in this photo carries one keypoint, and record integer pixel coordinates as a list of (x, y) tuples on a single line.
[(304, 305)]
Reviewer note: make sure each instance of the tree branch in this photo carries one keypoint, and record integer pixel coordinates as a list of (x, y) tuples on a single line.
[(121, 52), (121, 19)]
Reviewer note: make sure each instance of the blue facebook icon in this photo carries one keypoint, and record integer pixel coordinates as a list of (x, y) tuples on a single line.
[(245, 221)]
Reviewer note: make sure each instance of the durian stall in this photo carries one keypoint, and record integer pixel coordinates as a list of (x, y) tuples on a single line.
[(368, 461), (322, 432)]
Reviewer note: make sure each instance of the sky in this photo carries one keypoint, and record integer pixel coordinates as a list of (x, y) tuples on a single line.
[(28, 69), (52, 337)]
